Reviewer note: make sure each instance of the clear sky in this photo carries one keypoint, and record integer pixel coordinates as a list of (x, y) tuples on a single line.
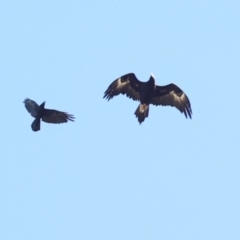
[(105, 176)]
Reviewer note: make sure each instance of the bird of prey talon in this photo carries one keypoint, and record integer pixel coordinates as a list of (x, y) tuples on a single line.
[(149, 93), (47, 115)]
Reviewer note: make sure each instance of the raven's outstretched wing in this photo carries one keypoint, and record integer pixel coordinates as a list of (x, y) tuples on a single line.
[(54, 116), (31, 106)]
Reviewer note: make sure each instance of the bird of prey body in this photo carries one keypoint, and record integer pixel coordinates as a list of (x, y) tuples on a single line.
[(149, 93), (47, 115)]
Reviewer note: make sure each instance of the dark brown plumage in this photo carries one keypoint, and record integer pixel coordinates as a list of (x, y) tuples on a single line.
[(47, 115), (149, 93)]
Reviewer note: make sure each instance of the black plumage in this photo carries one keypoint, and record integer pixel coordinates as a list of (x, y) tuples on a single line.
[(149, 93), (47, 115)]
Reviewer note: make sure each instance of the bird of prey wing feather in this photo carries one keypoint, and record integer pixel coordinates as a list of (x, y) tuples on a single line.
[(172, 95), (127, 84)]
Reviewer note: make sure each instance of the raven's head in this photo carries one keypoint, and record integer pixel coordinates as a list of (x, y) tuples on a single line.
[(42, 105)]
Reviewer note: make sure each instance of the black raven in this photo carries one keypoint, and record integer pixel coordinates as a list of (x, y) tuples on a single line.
[(47, 115)]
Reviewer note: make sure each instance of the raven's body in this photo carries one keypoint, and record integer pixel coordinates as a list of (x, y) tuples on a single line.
[(47, 115)]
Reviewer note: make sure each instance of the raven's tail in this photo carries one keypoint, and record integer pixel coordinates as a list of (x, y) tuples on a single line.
[(142, 112), (36, 125)]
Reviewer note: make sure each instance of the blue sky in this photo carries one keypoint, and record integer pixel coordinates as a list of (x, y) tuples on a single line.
[(105, 176)]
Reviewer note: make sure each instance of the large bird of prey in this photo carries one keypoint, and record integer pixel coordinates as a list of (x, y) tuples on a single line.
[(149, 93), (47, 115)]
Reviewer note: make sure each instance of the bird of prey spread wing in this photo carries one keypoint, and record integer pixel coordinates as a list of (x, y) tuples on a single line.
[(47, 115), (149, 93)]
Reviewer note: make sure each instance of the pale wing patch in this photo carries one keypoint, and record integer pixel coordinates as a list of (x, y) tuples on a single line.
[(180, 101), (123, 87)]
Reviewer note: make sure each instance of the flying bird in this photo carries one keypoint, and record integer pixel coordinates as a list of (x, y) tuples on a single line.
[(47, 115), (149, 93)]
